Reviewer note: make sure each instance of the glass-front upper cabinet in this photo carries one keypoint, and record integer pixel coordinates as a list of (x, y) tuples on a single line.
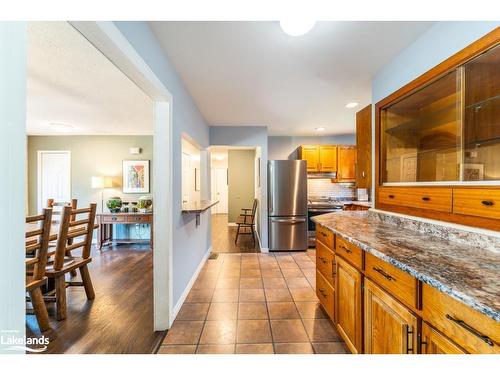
[(448, 130)]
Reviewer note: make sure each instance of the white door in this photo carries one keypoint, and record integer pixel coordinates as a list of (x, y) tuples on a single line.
[(219, 190), (186, 178), (54, 177)]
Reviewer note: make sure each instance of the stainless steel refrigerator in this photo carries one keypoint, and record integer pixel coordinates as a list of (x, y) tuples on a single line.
[(287, 205)]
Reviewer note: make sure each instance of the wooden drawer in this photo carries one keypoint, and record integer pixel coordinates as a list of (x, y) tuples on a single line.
[(113, 219), (326, 295), (326, 236), (349, 252), (139, 218), (467, 327), (428, 198), (477, 202), (325, 262), (397, 282)]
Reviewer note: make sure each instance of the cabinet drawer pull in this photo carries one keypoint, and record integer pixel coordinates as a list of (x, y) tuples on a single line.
[(426, 199), (323, 234), (323, 259), (114, 218), (322, 291), (345, 249), (487, 203), (390, 196), (467, 327), (383, 273)]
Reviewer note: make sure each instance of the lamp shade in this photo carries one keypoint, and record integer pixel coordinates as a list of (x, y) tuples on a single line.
[(99, 182)]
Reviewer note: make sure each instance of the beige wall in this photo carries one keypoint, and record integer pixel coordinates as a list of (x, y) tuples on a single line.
[(241, 189), (90, 156)]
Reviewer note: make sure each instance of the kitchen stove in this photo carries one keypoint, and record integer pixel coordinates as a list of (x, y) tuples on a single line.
[(320, 206)]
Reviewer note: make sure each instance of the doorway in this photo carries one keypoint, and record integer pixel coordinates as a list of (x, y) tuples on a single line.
[(54, 177)]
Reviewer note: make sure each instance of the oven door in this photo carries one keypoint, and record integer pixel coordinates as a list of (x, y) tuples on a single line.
[(311, 226)]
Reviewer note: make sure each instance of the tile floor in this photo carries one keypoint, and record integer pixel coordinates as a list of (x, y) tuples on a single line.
[(254, 304)]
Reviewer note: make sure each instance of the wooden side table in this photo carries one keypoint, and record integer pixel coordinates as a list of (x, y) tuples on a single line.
[(107, 220)]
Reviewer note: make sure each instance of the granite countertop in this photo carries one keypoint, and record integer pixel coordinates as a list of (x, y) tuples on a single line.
[(467, 273), (198, 206), (359, 203)]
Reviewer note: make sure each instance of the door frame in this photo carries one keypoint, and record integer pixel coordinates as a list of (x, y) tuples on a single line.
[(40, 203), (215, 169), (109, 40)]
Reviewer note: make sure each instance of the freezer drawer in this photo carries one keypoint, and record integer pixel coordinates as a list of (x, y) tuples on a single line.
[(288, 233)]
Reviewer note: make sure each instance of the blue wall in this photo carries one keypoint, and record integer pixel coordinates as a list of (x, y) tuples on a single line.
[(190, 242)]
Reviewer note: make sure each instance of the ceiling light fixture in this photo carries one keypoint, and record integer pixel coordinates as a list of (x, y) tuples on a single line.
[(59, 127), (219, 157), (320, 129), (297, 27), (351, 105)]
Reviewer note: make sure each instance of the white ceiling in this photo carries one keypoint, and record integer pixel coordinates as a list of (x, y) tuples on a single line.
[(71, 82), (251, 73)]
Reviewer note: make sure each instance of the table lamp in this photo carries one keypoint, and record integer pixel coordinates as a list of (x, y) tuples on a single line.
[(101, 182)]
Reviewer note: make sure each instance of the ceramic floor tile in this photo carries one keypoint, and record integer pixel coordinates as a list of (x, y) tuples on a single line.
[(253, 332), (297, 282), (199, 295), (288, 330), (177, 349), (292, 272), (303, 295), (225, 295), (282, 310), (278, 295), (228, 283), (250, 272), (251, 283), (215, 349), (310, 310), (293, 348), (193, 311), (252, 310), (223, 311), (251, 295), (219, 332), (274, 283), (254, 349), (330, 348), (271, 272), (320, 330), (184, 332)]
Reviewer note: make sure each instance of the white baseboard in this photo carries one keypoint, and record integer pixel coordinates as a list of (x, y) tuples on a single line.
[(186, 291), (264, 250), (231, 224)]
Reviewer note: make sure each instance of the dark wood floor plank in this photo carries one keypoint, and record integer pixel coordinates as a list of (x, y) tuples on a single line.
[(223, 238), (120, 319)]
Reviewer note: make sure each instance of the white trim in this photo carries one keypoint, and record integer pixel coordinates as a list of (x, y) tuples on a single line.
[(466, 228), (108, 39), (186, 291)]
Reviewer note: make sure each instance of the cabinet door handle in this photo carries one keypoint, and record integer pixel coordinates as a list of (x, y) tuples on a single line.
[(323, 234), (348, 251), (426, 199), (363, 174), (409, 349), (474, 331), (390, 196), (487, 203), (383, 273), (322, 291)]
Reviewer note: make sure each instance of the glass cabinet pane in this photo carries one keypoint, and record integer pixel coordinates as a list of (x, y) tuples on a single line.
[(482, 117), (421, 134)]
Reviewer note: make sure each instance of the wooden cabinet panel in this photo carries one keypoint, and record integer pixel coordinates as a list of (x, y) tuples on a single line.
[(311, 155), (397, 282), (477, 202), (326, 236), (328, 158), (348, 304), (429, 198), (364, 148), (325, 261), (113, 219), (326, 295), (434, 342), (350, 252), (346, 164), (470, 329), (389, 327)]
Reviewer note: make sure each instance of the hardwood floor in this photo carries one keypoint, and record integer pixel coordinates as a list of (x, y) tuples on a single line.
[(223, 238), (120, 319)]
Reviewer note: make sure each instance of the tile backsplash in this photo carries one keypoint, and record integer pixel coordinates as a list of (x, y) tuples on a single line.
[(323, 187)]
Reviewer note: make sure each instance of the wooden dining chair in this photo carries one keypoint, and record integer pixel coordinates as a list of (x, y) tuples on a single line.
[(56, 218), (245, 221), (79, 230), (37, 243)]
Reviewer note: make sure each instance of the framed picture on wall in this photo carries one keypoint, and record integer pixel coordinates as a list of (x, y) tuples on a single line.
[(135, 176)]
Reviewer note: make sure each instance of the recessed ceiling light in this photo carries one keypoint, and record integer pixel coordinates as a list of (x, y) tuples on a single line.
[(320, 129), (297, 27), (219, 157), (60, 127), (351, 105)]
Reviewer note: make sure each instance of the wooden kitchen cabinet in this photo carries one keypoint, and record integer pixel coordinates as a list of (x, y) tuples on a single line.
[(433, 342), (346, 171), (328, 158), (348, 304), (389, 327), (311, 155), (364, 148)]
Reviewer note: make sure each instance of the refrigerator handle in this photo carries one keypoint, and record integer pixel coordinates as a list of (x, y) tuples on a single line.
[(290, 220), (270, 197)]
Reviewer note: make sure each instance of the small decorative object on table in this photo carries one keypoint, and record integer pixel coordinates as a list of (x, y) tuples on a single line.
[(114, 204), (145, 204), (125, 207)]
